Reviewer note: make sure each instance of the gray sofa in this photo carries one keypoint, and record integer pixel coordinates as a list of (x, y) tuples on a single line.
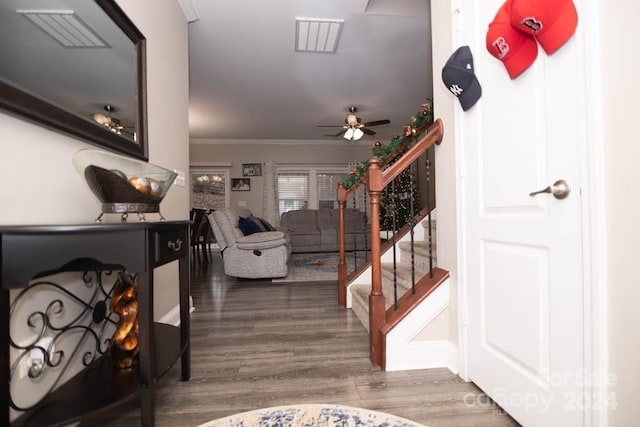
[(258, 255), (316, 230)]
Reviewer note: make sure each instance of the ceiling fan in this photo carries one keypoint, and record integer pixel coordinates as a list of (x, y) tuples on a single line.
[(108, 121), (353, 127)]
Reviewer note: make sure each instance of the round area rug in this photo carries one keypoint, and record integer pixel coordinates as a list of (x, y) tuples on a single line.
[(312, 415)]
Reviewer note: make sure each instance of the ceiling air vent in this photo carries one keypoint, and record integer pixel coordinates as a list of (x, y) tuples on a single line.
[(318, 35), (65, 27)]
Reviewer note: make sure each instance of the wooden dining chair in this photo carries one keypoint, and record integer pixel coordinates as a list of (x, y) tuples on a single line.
[(199, 225)]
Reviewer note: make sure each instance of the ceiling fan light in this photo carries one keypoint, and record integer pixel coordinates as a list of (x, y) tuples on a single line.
[(357, 134), (349, 134), (352, 120)]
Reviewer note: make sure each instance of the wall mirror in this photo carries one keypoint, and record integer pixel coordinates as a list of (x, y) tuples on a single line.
[(76, 66)]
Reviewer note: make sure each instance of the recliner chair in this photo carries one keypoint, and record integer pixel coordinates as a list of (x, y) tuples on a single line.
[(259, 255)]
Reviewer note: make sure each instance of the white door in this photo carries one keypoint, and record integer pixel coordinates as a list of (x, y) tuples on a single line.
[(523, 259)]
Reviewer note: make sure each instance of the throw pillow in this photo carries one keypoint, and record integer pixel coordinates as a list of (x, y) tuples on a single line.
[(266, 224), (258, 223), (247, 226)]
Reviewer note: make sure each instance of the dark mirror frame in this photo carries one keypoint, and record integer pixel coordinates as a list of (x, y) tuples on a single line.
[(32, 108)]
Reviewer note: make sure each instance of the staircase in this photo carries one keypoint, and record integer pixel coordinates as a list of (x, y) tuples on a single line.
[(403, 276), (400, 297), (416, 335)]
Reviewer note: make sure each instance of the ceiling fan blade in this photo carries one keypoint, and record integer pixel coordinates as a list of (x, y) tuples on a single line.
[(339, 133), (377, 122), (367, 131)]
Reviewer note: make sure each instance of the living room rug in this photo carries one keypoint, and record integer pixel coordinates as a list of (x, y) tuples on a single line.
[(314, 267), (312, 415)]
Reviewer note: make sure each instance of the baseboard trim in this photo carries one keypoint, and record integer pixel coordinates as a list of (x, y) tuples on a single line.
[(173, 316), (421, 355), (453, 358)]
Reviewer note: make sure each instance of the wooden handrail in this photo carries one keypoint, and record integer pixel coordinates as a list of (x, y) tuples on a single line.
[(434, 136)]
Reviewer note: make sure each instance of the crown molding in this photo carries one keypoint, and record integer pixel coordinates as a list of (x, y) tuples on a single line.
[(210, 164), (189, 10), (325, 142)]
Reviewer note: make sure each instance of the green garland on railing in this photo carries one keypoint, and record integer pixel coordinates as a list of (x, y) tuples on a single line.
[(396, 145)]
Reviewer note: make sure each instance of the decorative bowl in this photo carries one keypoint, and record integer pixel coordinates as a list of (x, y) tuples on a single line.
[(124, 185)]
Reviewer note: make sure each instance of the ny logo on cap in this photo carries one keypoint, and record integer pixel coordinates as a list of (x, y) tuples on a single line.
[(456, 90)]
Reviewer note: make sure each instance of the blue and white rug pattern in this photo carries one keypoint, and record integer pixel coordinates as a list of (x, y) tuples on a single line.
[(312, 415)]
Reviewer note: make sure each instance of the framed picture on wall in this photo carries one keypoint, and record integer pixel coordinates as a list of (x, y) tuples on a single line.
[(252, 169), (240, 184)]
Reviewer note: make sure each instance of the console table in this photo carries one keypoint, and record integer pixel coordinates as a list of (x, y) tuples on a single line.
[(29, 253)]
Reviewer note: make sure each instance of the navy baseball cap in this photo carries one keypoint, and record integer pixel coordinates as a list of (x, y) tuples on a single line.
[(459, 78)]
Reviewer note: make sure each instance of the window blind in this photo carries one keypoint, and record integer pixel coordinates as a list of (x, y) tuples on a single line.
[(293, 191)]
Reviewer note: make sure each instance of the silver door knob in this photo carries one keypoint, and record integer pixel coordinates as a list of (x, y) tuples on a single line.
[(560, 189)]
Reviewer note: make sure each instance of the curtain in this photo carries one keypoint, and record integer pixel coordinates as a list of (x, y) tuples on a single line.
[(270, 193), (361, 202), (358, 198)]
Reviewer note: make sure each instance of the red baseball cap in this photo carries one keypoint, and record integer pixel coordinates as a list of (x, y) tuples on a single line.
[(551, 22), (515, 49)]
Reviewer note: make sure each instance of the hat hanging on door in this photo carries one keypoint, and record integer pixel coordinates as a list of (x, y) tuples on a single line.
[(459, 78), (516, 50), (551, 22)]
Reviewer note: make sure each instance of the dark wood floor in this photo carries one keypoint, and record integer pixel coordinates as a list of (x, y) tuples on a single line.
[(257, 344)]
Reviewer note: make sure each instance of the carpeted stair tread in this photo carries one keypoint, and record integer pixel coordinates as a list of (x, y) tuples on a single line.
[(425, 224), (421, 251), (420, 247), (403, 282), (417, 244), (403, 271), (360, 303), (360, 292)]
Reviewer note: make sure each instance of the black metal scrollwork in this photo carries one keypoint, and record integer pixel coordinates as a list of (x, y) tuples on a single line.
[(66, 329)]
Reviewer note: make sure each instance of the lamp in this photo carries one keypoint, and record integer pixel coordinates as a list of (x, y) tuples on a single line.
[(111, 123), (353, 134)]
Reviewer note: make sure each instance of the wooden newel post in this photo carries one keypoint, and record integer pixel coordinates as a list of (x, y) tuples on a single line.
[(377, 312), (342, 261)]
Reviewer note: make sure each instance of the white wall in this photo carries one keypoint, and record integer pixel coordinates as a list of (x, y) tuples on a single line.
[(39, 183), (619, 33), (165, 27), (446, 166), (328, 153)]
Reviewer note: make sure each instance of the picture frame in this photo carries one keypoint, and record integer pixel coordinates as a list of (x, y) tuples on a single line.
[(252, 169), (240, 184)]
